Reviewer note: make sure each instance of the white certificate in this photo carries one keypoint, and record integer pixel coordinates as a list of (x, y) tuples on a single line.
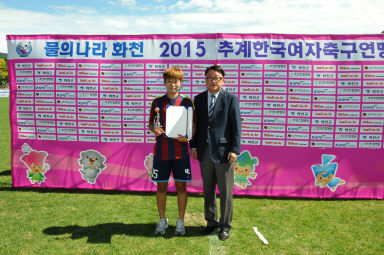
[(178, 121)]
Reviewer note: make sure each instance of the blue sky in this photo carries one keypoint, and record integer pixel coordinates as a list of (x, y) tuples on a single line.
[(189, 16)]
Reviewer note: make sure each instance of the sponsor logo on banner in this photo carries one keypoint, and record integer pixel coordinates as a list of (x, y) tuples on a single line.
[(110, 88), (329, 122), (250, 127), (341, 122), (322, 83), (88, 138), (64, 87), (371, 129), (297, 128), (45, 108), (303, 83), (64, 102), (267, 120), (275, 75), (27, 136), (297, 143), (322, 129), (29, 87), (373, 83), (299, 113), (372, 99), (321, 144), (273, 135), (156, 66), (110, 73), (111, 139), (250, 134), (24, 48), (138, 140), (373, 145), (24, 101), (66, 80), (65, 73), (25, 122), (65, 65), (297, 121), (371, 137), (50, 123), (66, 124), (348, 114), (132, 66), (297, 136), (250, 141), (23, 65), (251, 67), (24, 73), (110, 132), (46, 137), (251, 74), (349, 68), (110, 110), (67, 138), (29, 130), (88, 131), (88, 66), (345, 137), (44, 72), (24, 80), (89, 124), (300, 75), (67, 131), (89, 117), (133, 132), (300, 67), (273, 142), (133, 125), (373, 75), (295, 98)]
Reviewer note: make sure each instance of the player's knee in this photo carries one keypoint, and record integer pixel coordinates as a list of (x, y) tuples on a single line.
[(181, 187), (162, 187)]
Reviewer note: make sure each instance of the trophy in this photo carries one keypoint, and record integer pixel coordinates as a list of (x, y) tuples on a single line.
[(156, 121)]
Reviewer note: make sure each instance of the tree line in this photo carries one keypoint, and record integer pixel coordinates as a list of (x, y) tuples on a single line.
[(4, 71)]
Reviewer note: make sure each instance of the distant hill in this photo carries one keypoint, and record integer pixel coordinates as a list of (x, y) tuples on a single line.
[(2, 55)]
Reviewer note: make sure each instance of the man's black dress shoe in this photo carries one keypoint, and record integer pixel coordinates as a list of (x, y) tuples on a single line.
[(224, 234), (209, 229)]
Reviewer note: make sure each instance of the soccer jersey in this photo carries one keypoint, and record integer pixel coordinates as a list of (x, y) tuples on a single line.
[(168, 148)]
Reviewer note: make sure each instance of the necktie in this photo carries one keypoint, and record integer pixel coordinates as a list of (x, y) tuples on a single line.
[(211, 104)]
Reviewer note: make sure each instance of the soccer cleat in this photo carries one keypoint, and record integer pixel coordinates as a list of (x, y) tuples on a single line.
[(161, 226), (180, 230)]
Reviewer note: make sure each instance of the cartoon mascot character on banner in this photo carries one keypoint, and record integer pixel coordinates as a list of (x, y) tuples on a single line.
[(35, 161)]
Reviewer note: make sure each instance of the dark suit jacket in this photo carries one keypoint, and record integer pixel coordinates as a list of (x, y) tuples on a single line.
[(224, 128)]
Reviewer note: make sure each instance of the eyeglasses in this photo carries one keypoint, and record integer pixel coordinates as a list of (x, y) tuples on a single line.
[(214, 78)]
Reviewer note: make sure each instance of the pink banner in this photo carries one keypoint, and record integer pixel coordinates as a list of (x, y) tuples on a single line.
[(312, 110)]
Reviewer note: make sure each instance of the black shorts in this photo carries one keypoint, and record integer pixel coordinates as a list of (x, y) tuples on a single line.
[(180, 168)]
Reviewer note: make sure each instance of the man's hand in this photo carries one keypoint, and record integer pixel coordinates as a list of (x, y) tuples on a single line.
[(194, 153), (232, 157)]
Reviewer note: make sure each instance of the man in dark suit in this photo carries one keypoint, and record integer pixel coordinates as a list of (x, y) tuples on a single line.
[(216, 144)]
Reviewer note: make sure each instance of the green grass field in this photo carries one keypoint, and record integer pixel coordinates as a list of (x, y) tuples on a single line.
[(51, 221)]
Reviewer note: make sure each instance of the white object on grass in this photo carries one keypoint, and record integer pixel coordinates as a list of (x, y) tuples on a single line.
[(262, 238)]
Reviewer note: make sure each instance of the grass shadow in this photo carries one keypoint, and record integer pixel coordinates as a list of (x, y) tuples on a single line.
[(102, 233), (5, 173), (89, 191)]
